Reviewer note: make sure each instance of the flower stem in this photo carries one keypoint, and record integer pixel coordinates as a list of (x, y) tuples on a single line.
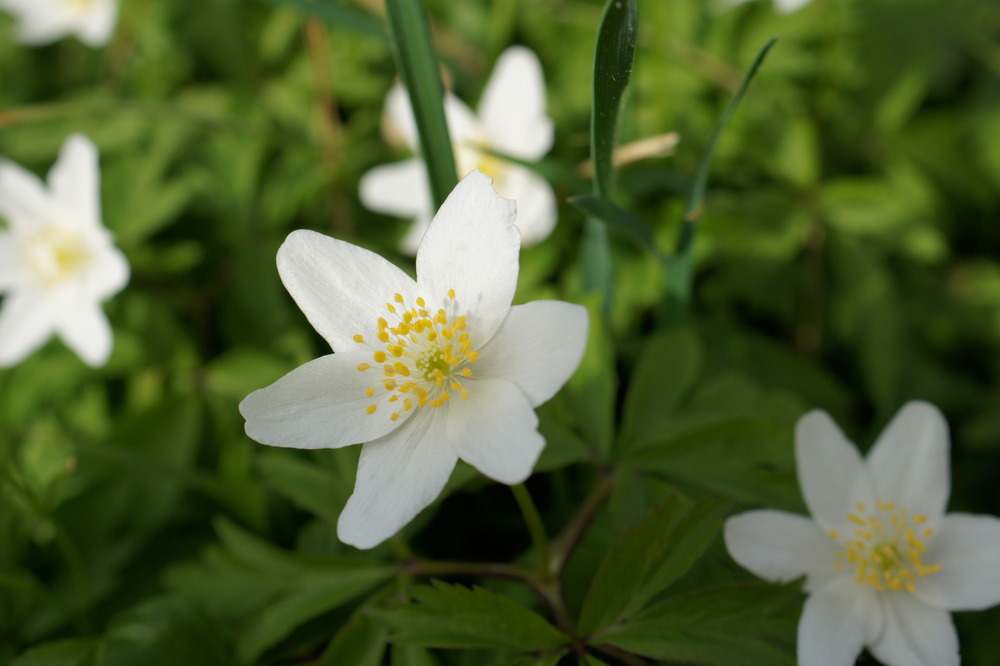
[(567, 541), (535, 527)]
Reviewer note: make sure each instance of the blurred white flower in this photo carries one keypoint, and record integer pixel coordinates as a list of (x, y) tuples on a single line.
[(425, 372), (781, 6), (44, 21), (57, 261), (884, 564), (511, 121)]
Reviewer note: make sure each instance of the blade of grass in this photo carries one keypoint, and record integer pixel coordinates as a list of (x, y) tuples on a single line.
[(613, 55), (418, 67), (679, 275)]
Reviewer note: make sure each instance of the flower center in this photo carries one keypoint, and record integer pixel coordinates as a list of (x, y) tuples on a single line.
[(886, 548), (475, 154), (55, 254), (423, 358)]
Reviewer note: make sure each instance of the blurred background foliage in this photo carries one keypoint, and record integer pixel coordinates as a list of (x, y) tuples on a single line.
[(847, 260)]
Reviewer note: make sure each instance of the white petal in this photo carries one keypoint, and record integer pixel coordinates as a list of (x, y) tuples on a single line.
[(472, 247), (26, 323), (463, 126), (109, 275), (42, 25), (411, 240), (75, 181), (399, 189), (342, 289), (398, 476), (495, 430), (85, 329), (832, 474), (837, 621), (968, 549), (915, 634), (319, 405), (99, 23), (789, 6), (909, 462), (399, 117), (9, 268), (24, 202), (512, 107), (538, 347), (536, 203), (779, 546)]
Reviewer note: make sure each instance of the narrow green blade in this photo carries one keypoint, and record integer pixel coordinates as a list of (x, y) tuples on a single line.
[(418, 67), (679, 276), (613, 57)]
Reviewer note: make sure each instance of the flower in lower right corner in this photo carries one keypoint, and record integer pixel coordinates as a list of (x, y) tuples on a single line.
[(884, 564)]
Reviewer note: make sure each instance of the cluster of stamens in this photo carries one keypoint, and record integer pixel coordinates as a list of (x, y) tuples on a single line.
[(423, 357), (54, 253), (886, 548)]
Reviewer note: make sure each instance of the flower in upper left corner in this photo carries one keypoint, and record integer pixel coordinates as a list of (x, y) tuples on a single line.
[(58, 263), (45, 21)]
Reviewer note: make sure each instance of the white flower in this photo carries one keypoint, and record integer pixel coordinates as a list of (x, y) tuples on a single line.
[(44, 21), (781, 6), (884, 564), (511, 121), (57, 261), (425, 372)]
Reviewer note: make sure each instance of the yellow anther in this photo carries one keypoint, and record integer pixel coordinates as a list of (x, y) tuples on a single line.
[(363, 366), (401, 369), (383, 336), (398, 298), (370, 391), (379, 356), (359, 338), (421, 302), (371, 409), (854, 519), (394, 417), (395, 350), (451, 294)]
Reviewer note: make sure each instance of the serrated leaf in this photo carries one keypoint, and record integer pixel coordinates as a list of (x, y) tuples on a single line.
[(67, 652), (591, 389), (360, 642), (307, 484), (418, 67), (318, 594), (647, 561), (457, 617), (664, 373), (726, 626)]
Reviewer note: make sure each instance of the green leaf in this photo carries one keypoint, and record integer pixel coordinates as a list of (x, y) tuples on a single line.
[(337, 15), (307, 484), (453, 616), (67, 652), (679, 277), (613, 55), (360, 642), (551, 659), (663, 375), (647, 561), (616, 217), (411, 655), (726, 626), (418, 67), (591, 390)]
